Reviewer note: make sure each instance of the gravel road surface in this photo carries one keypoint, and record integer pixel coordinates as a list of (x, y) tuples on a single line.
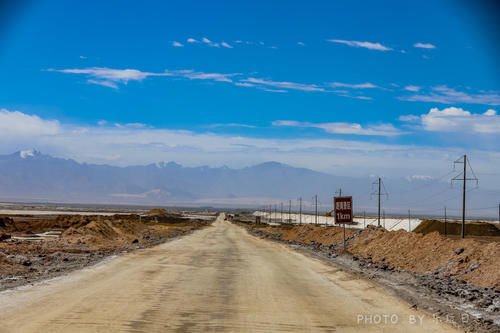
[(218, 279)]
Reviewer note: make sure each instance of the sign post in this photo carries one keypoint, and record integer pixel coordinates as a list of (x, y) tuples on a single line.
[(343, 211)]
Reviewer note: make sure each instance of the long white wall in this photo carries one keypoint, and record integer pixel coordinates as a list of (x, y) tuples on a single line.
[(388, 223)]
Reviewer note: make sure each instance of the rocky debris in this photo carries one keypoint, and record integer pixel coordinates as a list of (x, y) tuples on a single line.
[(84, 240), (4, 237)]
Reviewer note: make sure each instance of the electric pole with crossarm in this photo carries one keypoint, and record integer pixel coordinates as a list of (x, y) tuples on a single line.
[(463, 177)]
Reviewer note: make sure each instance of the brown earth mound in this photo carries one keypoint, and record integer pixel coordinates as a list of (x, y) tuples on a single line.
[(455, 228), (84, 240), (157, 211), (310, 233), (465, 259)]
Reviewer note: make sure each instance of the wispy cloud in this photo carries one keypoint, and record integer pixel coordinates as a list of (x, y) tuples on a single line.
[(366, 85), (424, 46), (109, 77), (108, 84), (192, 40), (284, 84), (366, 45), (233, 125), (301, 43), (446, 95), (220, 77), (346, 128), (412, 88), (226, 45), (177, 44), (455, 119), (209, 42)]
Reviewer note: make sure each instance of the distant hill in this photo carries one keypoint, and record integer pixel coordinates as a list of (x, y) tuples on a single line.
[(33, 176)]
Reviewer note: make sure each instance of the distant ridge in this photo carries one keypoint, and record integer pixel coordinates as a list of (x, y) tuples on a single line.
[(33, 176)]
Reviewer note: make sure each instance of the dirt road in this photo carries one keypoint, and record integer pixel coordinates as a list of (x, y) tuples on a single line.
[(217, 279)]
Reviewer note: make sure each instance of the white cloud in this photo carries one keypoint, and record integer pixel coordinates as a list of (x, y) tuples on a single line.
[(301, 43), (285, 85), (192, 40), (345, 128), (83, 57), (445, 95), (209, 42), (366, 85), (108, 84), (424, 46), (458, 120), (233, 125), (412, 88), (102, 122), (226, 45), (177, 44), (366, 45), (131, 146), (206, 76), (274, 90), (418, 177), (244, 84), (108, 76), (15, 124), (409, 118)]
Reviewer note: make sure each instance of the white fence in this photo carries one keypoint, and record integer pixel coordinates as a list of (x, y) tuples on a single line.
[(389, 223)]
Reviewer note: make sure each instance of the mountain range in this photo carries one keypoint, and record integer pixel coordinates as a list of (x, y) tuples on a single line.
[(33, 176)]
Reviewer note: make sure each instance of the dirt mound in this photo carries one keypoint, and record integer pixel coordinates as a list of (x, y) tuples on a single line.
[(102, 230), (464, 259), (155, 211), (310, 233), (455, 228), (6, 224)]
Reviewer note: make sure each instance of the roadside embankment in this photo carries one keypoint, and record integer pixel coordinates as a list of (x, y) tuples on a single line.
[(36, 248)]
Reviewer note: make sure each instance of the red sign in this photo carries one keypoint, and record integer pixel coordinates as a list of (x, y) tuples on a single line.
[(343, 209)]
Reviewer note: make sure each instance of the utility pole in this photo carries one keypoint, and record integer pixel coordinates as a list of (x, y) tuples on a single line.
[(445, 231), (499, 213), (275, 211), (379, 193), (384, 217), (409, 221), (316, 216), (281, 216), (364, 219), (379, 203), (464, 190), (300, 211), (290, 211)]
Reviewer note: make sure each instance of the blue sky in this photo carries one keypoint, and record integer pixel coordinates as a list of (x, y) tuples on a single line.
[(337, 86)]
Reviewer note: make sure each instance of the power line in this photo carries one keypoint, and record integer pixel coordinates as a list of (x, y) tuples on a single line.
[(379, 193), (463, 160)]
